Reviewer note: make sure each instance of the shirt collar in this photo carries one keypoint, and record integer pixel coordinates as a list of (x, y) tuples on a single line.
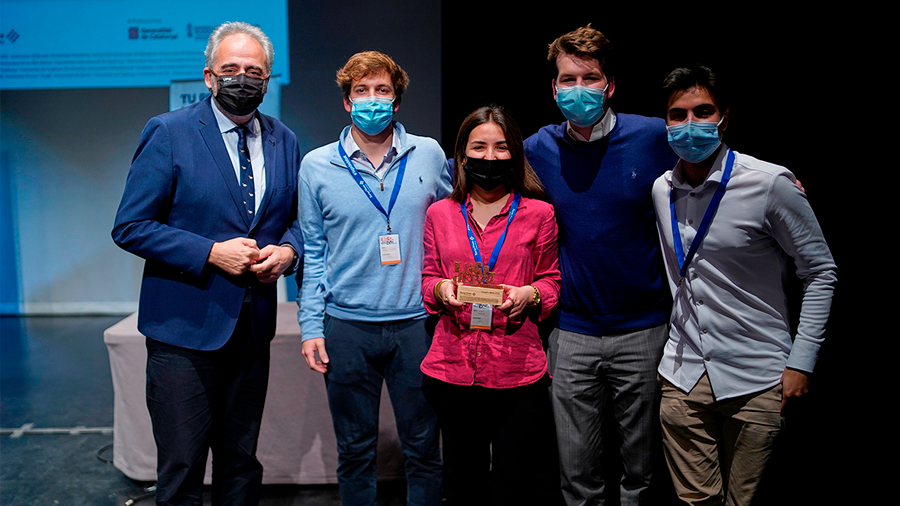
[(715, 172), (352, 148), (600, 130)]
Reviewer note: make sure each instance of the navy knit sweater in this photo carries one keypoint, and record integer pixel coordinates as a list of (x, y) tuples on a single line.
[(609, 248)]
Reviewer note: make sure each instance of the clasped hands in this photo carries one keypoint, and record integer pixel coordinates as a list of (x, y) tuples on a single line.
[(516, 297), (241, 254)]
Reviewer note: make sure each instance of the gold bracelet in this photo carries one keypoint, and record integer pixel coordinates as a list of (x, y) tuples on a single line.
[(437, 289), (536, 298)]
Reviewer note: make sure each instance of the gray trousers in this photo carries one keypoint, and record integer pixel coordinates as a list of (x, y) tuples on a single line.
[(594, 375)]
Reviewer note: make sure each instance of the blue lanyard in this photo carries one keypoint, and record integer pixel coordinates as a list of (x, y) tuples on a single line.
[(683, 262), (496, 253), (368, 191)]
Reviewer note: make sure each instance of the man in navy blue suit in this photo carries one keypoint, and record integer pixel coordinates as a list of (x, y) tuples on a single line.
[(211, 204)]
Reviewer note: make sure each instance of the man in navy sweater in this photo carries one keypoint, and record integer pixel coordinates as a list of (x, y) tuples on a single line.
[(598, 168)]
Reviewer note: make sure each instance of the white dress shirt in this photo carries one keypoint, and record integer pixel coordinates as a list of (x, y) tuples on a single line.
[(254, 144), (730, 317), (362, 162), (600, 130)]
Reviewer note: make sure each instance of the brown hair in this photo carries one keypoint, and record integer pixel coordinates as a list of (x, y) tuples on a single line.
[(524, 181), (369, 63), (584, 42)]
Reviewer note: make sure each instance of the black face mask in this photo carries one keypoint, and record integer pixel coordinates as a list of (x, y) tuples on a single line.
[(489, 174), (240, 94)]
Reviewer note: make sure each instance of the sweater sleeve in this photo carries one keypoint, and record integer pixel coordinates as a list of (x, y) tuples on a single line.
[(546, 263), (312, 293)]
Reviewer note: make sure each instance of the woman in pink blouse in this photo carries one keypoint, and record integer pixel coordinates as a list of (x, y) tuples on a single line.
[(486, 368)]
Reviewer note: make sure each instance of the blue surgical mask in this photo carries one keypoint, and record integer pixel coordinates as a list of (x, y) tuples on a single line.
[(694, 141), (581, 105), (372, 114)]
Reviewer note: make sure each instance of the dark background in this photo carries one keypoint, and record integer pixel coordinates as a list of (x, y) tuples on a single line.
[(798, 79)]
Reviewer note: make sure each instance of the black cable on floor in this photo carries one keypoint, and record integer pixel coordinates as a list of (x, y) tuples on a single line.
[(103, 459), (148, 491)]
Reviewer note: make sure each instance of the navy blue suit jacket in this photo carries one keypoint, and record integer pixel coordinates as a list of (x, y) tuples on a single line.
[(180, 197)]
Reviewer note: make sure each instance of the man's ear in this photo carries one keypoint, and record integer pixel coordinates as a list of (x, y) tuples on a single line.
[(209, 79)]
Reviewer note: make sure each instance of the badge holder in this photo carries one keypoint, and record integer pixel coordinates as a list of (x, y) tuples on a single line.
[(482, 294)]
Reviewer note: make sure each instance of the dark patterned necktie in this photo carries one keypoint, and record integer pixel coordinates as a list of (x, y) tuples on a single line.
[(247, 187)]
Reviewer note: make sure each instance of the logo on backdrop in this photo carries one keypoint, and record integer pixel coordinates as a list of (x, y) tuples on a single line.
[(10, 37)]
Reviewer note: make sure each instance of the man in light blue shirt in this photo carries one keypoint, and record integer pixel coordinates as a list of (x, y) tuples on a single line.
[(730, 225)]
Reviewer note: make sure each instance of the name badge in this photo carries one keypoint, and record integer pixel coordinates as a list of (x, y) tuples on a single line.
[(389, 246), (481, 316)]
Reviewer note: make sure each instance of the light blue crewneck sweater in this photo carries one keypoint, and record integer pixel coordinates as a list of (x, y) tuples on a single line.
[(342, 273)]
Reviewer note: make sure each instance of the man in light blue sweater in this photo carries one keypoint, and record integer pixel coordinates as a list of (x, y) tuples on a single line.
[(362, 211)]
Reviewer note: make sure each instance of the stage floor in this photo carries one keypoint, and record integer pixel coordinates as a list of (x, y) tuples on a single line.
[(55, 373)]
